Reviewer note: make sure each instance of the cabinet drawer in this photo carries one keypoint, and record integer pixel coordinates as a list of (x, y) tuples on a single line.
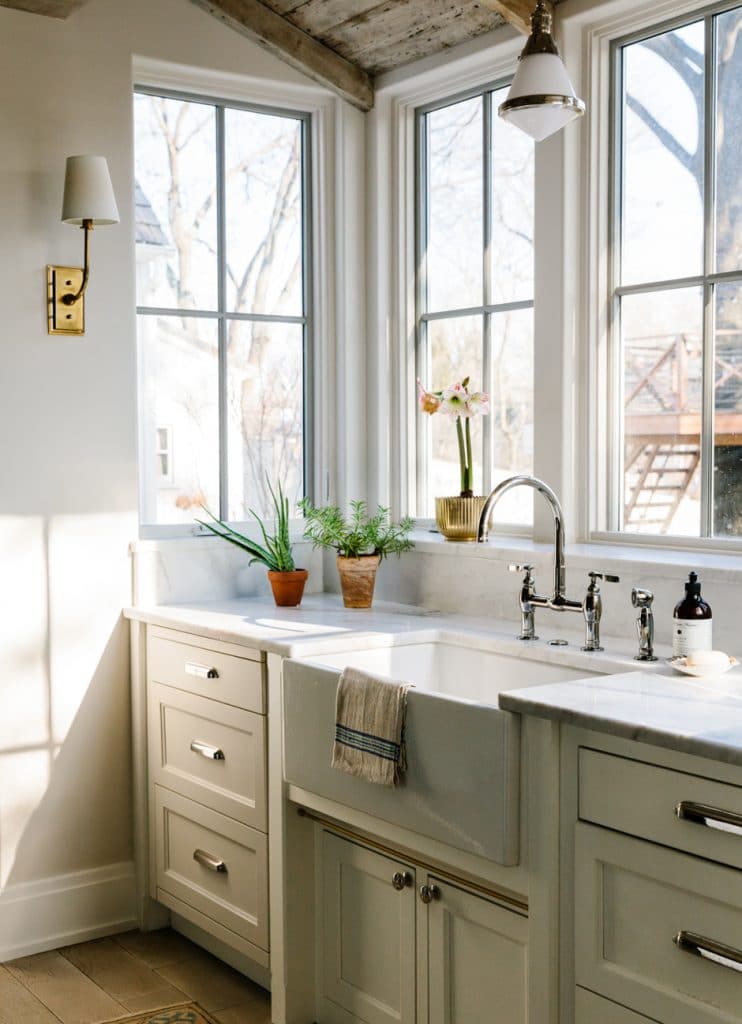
[(641, 799), (227, 879), (592, 1009), (206, 670), (632, 899), (210, 752)]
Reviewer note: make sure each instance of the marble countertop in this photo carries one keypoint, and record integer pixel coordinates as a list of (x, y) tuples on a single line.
[(321, 625), (695, 716), (651, 704)]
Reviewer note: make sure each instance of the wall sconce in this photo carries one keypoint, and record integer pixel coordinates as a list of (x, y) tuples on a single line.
[(88, 200), (541, 99)]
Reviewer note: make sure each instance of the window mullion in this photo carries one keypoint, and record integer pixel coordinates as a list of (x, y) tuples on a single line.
[(422, 348), (614, 366), (487, 210), (221, 246), (709, 313)]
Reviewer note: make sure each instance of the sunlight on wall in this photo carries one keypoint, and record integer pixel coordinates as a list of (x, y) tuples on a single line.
[(63, 666)]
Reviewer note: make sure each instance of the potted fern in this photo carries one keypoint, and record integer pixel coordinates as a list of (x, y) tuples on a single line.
[(275, 553), (361, 540)]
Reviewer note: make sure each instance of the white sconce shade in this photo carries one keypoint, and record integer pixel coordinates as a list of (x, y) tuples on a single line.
[(88, 192), (542, 99)]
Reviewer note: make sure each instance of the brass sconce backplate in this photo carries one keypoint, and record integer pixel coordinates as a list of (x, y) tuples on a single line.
[(63, 319)]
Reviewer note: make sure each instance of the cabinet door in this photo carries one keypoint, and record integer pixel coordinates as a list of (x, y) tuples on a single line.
[(367, 944), (476, 959)]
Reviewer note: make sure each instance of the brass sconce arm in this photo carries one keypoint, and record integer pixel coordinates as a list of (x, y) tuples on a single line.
[(70, 298)]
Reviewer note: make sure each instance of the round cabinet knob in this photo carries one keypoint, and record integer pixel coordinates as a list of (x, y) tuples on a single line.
[(401, 879), (428, 893)]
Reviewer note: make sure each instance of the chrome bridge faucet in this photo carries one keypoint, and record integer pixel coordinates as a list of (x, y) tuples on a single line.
[(591, 606)]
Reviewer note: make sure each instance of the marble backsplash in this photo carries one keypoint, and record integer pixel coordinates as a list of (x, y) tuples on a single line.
[(463, 578), (193, 569)]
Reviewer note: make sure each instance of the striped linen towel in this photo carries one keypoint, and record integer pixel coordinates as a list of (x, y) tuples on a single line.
[(369, 727)]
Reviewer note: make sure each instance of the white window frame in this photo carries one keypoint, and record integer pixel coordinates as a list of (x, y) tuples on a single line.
[(331, 208), (487, 309), (590, 40), (392, 319)]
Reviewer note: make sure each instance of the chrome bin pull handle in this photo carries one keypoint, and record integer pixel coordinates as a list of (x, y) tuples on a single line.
[(709, 949), (207, 751), (207, 860), (711, 817), (192, 668)]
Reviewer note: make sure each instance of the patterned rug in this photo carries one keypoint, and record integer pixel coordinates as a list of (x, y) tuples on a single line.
[(185, 1013)]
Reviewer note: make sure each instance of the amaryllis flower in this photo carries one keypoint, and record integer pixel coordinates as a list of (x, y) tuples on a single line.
[(479, 403), (456, 401), (428, 401), (462, 405)]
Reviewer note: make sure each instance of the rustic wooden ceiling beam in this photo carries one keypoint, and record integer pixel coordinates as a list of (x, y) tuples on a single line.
[(516, 12), (256, 21), (49, 8)]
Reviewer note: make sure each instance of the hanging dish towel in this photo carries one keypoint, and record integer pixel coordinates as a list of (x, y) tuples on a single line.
[(369, 727)]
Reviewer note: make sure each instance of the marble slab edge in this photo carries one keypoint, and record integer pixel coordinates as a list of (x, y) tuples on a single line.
[(720, 741)]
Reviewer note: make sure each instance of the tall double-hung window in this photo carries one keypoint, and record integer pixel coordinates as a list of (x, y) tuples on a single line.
[(223, 309), (475, 292), (677, 281)]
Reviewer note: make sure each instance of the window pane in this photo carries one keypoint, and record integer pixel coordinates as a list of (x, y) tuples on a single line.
[(728, 135), (263, 213), (512, 410), (662, 367), (512, 209), (175, 172), (455, 206), (178, 365), (663, 158), (265, 415), (455, 352), (728, 412)]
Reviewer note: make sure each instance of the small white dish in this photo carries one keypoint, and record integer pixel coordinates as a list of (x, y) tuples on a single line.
[(680, 664)]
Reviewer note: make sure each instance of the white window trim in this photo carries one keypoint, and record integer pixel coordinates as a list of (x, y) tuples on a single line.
[(587, 41), (337, 346), (392, 204)]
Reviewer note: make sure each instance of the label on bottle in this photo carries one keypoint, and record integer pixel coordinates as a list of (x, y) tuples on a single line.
[(690, 635)]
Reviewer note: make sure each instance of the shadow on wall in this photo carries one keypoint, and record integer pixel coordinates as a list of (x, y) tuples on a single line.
[(65, 794)]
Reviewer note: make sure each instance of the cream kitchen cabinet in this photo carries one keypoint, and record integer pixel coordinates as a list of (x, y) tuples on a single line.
[(399, 944), (206, 735), (657, 887)]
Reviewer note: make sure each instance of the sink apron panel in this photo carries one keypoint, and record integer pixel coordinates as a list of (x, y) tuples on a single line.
[(463, 765)]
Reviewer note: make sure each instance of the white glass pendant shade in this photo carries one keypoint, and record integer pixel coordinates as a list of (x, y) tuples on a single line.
[(541, 99), (88, 192)]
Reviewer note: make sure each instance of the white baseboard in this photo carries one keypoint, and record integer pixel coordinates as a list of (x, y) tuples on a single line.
[(64, 909)]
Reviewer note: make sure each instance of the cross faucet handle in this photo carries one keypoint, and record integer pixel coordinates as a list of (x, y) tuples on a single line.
[(606, 577), (516, 567)]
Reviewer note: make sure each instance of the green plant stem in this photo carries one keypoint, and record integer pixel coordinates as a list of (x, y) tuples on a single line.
[(469, 460), (462, 455)]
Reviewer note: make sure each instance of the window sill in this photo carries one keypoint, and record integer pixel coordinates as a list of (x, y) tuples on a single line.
[(635, 559)]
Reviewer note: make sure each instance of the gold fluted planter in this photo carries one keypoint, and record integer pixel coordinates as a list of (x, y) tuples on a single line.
[(458, 518)]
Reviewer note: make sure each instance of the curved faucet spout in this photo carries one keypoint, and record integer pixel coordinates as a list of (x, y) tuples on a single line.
[(556, 509)]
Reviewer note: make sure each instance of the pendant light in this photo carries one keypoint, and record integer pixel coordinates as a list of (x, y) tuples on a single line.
[(541, 99)]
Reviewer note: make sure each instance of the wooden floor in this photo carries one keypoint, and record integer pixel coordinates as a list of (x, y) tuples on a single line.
[(132, 973)]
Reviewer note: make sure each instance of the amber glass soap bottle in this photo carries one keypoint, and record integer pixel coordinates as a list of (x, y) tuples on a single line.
[(691, 627)]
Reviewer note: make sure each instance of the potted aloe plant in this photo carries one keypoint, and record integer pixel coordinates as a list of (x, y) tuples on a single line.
[(275, 553), (361, 540)]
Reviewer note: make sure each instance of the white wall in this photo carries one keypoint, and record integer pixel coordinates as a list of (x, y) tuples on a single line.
[(68, 498)]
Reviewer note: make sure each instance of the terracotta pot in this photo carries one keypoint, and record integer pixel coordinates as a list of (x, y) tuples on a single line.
[(288, 587), (458, 518), (357, 579)]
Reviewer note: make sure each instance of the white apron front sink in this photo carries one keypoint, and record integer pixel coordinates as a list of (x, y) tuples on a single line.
[(462, 785)]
